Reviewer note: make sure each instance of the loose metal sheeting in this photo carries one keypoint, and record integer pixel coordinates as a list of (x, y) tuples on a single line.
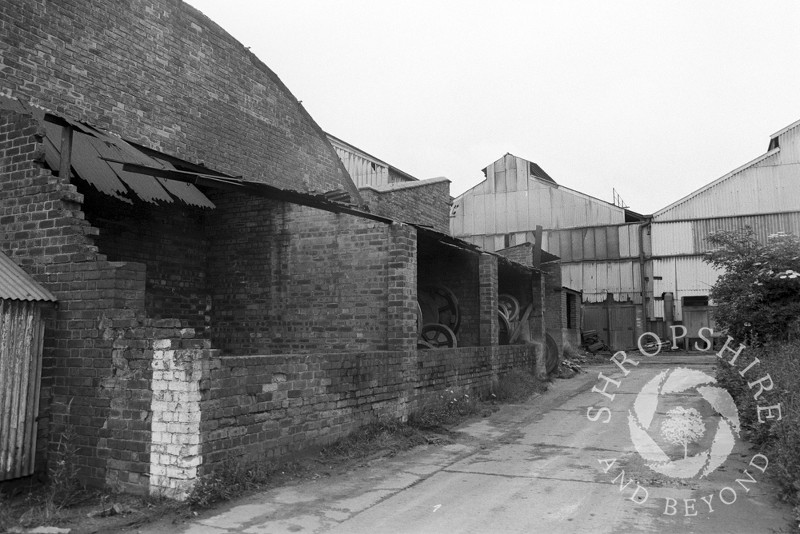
[(94, 159)]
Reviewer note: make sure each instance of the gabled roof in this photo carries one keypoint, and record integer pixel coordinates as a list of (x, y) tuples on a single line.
[(533, 169), (715, 183), (772, 149), (16, 284)]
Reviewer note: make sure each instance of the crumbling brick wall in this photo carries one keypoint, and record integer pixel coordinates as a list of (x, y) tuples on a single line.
[(168, 240), (95, 361)]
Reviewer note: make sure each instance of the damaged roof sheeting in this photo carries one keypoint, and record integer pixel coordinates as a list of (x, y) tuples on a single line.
[(16, 284), (94, 160)]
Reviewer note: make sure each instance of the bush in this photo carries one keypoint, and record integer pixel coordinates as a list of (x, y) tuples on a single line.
[(778, 440), (758, 296)]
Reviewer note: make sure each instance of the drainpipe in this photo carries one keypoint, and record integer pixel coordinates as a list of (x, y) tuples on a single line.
[(642, 277)]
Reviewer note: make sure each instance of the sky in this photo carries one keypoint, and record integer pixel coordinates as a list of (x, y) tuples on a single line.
[(652, 98)]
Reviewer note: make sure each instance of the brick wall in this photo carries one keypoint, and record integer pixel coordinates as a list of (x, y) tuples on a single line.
[(426, 202), (457, 270), (95, 362), (160, 73), (286, 278), (263, 406), (168, 240)]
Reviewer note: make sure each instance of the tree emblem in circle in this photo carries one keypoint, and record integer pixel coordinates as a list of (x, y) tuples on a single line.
[(683, 426)]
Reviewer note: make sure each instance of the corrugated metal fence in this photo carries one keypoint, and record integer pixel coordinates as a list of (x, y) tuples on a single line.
[(21, 333)]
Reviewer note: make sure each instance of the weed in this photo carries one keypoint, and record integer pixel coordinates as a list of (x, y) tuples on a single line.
[(517, 386), (231, 479), (447, 408), (389, 436), (7, 518), (779, 440)]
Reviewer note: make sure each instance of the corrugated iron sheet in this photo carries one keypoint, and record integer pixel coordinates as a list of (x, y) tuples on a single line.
[(145, 187), (91, 145), (672, 238), (766, 185), (21, 332), (16, 284), (762, 225), (683, 277), (85, 161)]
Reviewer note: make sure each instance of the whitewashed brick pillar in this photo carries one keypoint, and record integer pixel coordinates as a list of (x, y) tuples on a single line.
[(175, 451)]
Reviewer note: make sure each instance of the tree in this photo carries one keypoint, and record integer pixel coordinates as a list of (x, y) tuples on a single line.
[(683, 427), (758, 295)]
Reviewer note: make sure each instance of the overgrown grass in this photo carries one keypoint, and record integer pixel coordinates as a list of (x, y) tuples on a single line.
[(230, 480), (779, 440)]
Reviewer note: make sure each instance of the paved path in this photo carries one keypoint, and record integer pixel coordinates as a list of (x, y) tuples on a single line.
[(542, 466)]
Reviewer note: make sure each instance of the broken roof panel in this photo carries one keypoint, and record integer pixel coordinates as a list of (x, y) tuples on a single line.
[(96, 159), (87, 165), (145, 187)]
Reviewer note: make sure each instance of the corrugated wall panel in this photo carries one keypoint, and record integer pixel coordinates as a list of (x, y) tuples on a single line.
[(790, 145), (762, 225), (767, 186), (519, 223), (500, 212), (623, 236), (20, 371), (672, 238), (694, 274)]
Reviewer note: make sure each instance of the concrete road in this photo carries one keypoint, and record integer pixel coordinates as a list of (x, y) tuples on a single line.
[(542, 466)]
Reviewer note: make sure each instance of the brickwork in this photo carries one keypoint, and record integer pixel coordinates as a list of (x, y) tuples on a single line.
[(96, 354), (263, 406), (401, 290), (522, 254), (293, 279), (458, 271), (425, 202), (122, 363), (488, 300), (168, 240), (175, 451), (160, 73)]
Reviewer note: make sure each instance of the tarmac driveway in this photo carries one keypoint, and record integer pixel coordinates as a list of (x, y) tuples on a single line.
[(549, 465)]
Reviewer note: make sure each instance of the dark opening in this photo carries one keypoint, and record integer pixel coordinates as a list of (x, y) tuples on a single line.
[(695, 301)]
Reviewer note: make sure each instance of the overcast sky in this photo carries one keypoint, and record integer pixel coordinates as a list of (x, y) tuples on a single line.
[(655, 99)]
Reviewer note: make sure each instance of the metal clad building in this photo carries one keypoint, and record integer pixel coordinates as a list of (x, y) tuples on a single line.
[(763, 194), (606, 250), (518, 195)]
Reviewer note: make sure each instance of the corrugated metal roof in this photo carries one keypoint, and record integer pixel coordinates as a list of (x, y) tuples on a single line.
[(85, 161), (92, 150), (16, 284)]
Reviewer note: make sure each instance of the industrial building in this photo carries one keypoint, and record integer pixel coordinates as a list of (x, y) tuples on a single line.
[(627, 266)]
